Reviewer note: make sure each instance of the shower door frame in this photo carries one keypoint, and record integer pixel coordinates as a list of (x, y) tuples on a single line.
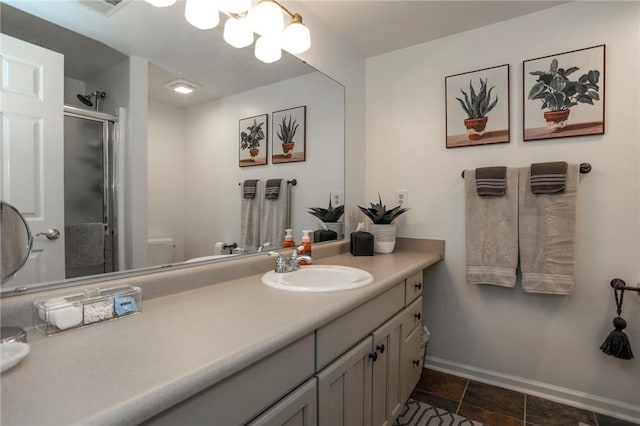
[(109, 155)]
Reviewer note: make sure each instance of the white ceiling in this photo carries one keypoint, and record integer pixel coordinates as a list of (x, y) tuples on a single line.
[(178, 50)]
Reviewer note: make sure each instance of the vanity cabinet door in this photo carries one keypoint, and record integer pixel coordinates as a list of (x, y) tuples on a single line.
[(299, 408), (388, 341), (344, 388), (412, 362)]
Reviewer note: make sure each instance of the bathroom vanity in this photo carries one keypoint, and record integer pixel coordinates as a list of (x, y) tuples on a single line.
[(239, 352)]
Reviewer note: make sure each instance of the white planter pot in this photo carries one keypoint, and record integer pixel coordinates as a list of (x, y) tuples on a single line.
[(384, 237)]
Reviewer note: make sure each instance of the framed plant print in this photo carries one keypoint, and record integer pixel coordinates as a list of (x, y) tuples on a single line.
[(289, 139), (477, 107), (563, 94), (253, 140)]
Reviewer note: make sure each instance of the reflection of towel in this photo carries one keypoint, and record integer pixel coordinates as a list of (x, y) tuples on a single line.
[(274, 217), (491, 233), (84, 245), (272, 189), (491, 181), (548, 235), (250, 220), (548, 178), (249, 188)]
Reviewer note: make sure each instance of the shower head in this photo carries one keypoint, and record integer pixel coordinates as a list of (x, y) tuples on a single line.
[(86, 99)]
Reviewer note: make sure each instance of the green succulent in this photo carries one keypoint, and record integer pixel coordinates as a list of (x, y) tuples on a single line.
[(287, 131), (329, 214), (252, 138), (478, 105), (379, 214)]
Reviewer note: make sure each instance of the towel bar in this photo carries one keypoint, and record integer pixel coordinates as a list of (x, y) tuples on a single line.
[(618, 284), (292, 182), (584, 169)]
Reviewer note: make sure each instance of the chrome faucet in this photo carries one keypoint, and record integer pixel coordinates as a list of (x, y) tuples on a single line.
[(292, 263), (263, 246)]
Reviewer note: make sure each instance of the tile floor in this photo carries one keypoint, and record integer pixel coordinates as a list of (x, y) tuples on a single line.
[(496, 406)]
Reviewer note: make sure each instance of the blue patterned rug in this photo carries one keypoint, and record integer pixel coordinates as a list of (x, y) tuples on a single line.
[(418, 413)]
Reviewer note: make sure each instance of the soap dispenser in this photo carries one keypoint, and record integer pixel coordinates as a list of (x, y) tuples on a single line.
[(306, 243), (288, 239)]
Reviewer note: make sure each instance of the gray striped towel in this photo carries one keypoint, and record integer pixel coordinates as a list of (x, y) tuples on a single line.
[(548, 178), (272, 189), (249, 188), (491, 181)]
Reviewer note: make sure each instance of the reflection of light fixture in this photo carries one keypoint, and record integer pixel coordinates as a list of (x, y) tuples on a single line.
[(266, 19), (181, 86)]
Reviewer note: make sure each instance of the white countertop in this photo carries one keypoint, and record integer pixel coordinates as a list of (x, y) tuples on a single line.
[(127, 370)]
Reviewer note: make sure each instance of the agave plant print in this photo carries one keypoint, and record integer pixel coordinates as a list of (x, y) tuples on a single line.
[(477, 107), (289, 135), (563, 94)]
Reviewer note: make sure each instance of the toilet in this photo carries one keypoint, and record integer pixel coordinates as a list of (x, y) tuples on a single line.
[(159, 251)]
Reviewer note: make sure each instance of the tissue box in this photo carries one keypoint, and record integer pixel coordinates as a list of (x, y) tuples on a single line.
[(77, 310), (324, 235), (361, 243)]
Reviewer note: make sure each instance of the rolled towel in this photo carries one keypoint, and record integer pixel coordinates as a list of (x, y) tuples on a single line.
[(249, 188), (272, 189), (548, 178), (491, 181)]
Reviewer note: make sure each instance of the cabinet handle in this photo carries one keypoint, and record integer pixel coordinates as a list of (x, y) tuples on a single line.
[(418, 316), (418, 286), (380, 348), (374, 356), (416, 362)]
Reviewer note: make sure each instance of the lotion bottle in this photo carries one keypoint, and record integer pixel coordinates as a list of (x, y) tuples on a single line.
[(288, 239), (306, 243)]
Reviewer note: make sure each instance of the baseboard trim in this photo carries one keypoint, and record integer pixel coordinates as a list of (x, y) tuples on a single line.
[(598, 404)]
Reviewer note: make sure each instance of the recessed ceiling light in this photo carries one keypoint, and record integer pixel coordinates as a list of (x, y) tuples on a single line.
[(181, 86)]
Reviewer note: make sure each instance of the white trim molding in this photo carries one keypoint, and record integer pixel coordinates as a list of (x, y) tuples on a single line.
[(559, 394)]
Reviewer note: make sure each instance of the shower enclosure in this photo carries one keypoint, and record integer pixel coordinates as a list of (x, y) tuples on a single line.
[(89, 201)]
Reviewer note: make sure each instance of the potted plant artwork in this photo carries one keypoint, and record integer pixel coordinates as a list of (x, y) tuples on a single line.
[(382, 228), (477, 105), (559, 93), (330, 217), (286, 132), (250, 139)]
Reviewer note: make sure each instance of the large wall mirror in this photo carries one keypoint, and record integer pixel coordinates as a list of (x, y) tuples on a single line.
[(142, 176)]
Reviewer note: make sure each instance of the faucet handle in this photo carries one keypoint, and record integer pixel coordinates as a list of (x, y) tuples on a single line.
[(280, 262)]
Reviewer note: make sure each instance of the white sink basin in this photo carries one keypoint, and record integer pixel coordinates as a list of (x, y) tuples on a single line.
[(318, 278)]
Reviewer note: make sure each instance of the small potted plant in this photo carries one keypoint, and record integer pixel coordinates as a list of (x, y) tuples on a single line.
[(330, 217), (251, 139), (286, 133), (558, 93), (477, 106), (382, 228)]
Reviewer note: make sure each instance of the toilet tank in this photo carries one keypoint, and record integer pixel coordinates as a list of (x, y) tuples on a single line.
[(159, 251)]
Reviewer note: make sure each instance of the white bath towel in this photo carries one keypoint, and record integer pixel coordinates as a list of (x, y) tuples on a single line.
[(250, 211), (491, 237), (274, 217), (548, 235)]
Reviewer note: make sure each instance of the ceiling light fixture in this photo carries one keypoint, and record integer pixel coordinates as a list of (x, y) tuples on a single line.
[(266, 20), (181, 86)]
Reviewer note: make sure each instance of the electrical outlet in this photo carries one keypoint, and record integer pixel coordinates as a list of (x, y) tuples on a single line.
[(337, 198), (402, 197)]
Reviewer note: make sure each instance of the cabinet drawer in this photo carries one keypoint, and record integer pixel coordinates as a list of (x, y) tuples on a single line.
[(412, 366), (413, 287), (241, 397), (413, 316), (339, 335)]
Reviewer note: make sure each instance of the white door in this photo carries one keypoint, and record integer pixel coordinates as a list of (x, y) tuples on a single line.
[(32, 109)]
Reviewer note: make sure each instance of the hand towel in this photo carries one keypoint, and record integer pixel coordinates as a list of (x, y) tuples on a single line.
[(83, 245), (491, 181), (547, 235), (274, 217), (548, 178), (250, 211), (491, 233), (272, 189), (249, 188)]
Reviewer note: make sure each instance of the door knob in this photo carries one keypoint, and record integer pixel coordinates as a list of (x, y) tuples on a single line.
[(380, 348), (51, 234), (418, 286), (418, 316), (374, 356)]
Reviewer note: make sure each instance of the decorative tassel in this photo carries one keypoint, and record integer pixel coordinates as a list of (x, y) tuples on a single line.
[(617, 343)]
